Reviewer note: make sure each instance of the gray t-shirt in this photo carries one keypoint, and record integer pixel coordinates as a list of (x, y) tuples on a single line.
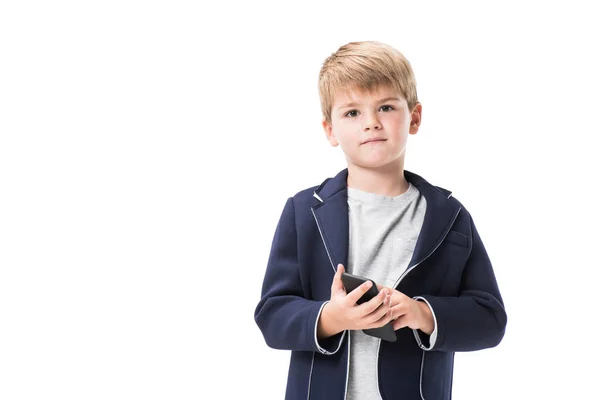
[(383, 234)]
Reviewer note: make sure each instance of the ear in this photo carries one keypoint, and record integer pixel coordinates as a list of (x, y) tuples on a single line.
[(329, 133), (415, 119)]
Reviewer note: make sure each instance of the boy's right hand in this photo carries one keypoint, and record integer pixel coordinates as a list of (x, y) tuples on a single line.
[(342, 312)]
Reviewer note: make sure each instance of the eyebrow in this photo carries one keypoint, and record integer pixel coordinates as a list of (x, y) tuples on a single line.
[(379, 101)]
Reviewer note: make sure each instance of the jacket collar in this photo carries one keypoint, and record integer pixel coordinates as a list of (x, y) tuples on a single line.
[(332, 186), (331, 214)]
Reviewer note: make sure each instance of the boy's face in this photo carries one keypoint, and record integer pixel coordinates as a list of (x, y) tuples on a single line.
[(372, 127)]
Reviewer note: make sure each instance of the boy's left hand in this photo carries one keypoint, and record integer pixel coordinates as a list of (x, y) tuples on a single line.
[(408, 312)]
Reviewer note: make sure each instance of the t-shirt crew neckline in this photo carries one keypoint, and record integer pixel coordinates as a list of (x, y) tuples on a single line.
[(368, 197)]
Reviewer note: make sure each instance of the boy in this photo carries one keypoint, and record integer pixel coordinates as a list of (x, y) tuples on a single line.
[(376, 220)]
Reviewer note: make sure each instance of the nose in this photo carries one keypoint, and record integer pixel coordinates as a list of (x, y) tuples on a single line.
[(371, 123)]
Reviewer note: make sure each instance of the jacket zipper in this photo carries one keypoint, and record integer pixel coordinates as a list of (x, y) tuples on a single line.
[(334, 271), (396, 285)]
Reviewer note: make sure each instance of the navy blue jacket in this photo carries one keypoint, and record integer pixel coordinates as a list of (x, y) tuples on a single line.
[(450, 269)]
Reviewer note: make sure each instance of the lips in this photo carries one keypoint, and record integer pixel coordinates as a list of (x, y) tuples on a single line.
[(371, 140)]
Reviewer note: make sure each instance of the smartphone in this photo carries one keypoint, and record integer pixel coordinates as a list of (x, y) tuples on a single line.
[(351, 282)]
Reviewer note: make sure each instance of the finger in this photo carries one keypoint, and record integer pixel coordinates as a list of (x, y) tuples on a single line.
[(400, 323), (367, 308), (381, 314), (398, 311), (398, 298), (357, 293), (384, 318)]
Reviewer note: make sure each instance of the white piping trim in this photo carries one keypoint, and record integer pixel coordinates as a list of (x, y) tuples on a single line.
[(421, 377), (400, 280), (334, 271), (323, 239), (310, 375), (347, 368), (316, 196), (433, 336), (428, 255), (322, 350), (377, 370)]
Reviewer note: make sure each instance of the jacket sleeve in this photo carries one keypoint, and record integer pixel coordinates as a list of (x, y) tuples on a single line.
[(474, 320), (285, 317)]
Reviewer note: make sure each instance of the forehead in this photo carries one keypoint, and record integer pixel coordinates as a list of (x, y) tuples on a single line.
[(354, 95)]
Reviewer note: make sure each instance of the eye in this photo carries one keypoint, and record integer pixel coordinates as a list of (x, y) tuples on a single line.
[(386, 108), (351, 113)]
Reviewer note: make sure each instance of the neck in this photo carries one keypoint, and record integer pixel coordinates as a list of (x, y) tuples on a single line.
[(386, 181)]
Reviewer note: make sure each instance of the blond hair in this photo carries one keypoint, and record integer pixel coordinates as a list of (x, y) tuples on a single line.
[(365, 66)]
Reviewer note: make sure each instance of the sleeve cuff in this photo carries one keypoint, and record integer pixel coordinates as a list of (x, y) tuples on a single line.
[(332, 344), (426, 338)]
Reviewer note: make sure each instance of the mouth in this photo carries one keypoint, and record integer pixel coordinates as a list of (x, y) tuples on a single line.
[(374, 140)]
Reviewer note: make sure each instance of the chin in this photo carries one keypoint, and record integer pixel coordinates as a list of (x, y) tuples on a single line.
[(372, 164)]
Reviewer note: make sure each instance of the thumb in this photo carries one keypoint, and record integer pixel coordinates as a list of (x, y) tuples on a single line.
[(337, 284)]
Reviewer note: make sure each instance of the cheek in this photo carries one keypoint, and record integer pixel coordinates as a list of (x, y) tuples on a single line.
[(397, 128), (345, 133), (395, 121)]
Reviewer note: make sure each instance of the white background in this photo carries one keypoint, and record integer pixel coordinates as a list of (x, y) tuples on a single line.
[(147, 150)]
